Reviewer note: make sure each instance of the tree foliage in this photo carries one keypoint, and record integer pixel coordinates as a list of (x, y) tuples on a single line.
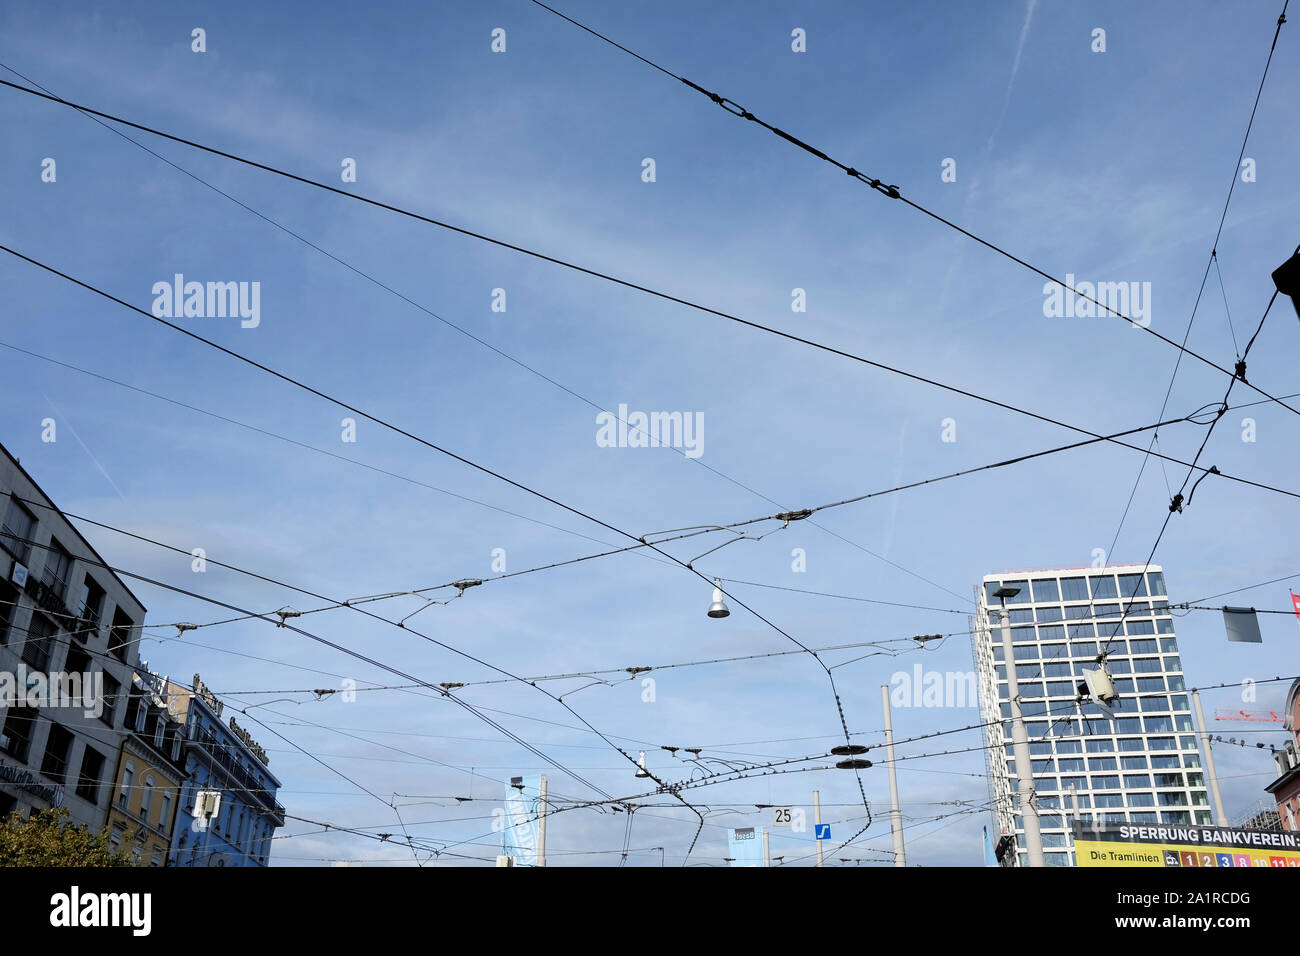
[(46, 838)]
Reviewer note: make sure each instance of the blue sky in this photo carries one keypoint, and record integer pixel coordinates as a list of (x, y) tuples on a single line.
[(1111, 166)]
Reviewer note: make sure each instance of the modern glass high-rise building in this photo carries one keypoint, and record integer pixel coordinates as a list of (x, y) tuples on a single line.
[(1139, 766)]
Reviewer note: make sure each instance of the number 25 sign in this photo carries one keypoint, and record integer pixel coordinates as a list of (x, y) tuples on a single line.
[(793, 817)]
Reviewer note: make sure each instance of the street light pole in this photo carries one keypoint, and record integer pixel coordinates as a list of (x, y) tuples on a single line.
[(541, 823), (1209, 760), (895, 817), (1020, 739)]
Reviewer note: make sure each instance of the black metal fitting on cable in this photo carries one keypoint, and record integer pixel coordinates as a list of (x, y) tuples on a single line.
[(1214, 470)]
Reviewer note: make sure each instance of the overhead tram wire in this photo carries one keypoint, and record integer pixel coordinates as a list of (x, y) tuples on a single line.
[(437, 688), (688, 533), (384, 423), (14, 86), (352, 653), (908, 643), (825, 668), (502, 353), (405, 688), (822, 664), (892, 192), (289, 379), (301, 444), (420, 592), (1177, 503), (429, 444), (1212, 261), (266, 617), (595, 273)]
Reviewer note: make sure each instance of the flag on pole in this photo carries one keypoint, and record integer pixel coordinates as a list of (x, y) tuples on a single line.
[(1295, 603)]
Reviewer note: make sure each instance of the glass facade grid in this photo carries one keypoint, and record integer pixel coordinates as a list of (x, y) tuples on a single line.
[(1066, 620)]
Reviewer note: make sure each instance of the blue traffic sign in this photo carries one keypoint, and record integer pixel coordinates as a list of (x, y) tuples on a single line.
[(823, 831)]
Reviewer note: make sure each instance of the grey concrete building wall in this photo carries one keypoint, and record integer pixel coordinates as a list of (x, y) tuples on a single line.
[(61, 611)]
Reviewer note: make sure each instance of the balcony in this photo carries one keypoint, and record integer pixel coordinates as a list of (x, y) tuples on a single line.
[(244, 780)]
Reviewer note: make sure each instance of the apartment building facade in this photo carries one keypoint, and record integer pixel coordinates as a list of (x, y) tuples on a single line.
[(223, 756), (69, 643), (150, 777)]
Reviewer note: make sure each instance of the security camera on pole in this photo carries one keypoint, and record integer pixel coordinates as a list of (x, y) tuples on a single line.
[(1020, 739)]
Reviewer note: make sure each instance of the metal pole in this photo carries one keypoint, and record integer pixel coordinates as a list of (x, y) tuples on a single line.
[(1074, 822), (895, 818), (541, 824), (1209, 760), (767, 849), (1020, 739), (817, 821)]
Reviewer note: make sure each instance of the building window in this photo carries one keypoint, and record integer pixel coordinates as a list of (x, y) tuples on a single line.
[(17, 530), (40, 642), (8, 604), (146, 797), (57, 565), (165, 814), (1046, 590), (119, 636), (116, 839), (128, 781), (16, 732), (1074, 589), (78, 662), (58, 748), (91, 605), (92, 768), (1132, 585), (112, 689)]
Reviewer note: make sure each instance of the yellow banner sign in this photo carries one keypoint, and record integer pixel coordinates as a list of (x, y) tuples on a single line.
[(1186, 847)]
